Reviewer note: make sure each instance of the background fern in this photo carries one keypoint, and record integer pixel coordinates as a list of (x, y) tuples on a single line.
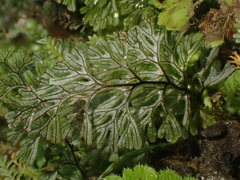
[(116, 15), (71, 103)]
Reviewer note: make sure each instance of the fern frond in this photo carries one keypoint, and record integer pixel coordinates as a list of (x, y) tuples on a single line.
[(8, 170), (71, 4), (116, 14)]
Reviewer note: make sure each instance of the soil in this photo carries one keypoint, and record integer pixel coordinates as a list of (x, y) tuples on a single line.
[(213, 154)]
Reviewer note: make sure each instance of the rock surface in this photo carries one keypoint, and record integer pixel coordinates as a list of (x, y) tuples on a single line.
[(213, 154)]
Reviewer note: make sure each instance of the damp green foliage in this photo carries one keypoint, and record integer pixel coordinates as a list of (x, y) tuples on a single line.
[(110, 15), (175, 14), (147, 173), (116, 90), (52, 162), (10, 169), (71, 4), (231, 88), (76, 109), (140, 171)]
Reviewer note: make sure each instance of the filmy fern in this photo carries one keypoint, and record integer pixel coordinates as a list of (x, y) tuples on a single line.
[(10, 170), (114, 14), (76, 109), (71, 4), (7, 170), (115, 89)]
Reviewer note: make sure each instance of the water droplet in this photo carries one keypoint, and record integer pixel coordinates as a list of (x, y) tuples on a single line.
[(139, 5), (116, 15), (95, 2)]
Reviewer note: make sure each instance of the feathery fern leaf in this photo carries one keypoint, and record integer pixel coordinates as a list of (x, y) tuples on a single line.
[(115, 14), (6, 169), (71, 4)]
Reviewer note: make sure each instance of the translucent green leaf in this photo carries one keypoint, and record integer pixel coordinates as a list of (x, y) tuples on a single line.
[(29, 99), (115, 14), (29, 149), (109, 70), (169, 174), (176, 14), (170, 129), (71, 4), (40, 67), (146, 173), (152, 132), (16, 65), (123, 63), (231, 88), (108, 111), (145, 96), (30, 78), (11, 80), (140, 172), (52, 131), (214, 71), (116, 89), (45, 107)]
